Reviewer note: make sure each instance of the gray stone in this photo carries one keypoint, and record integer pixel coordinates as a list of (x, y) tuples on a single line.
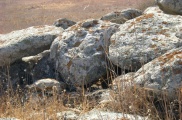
[(99, 96), (145, 38), (79, 52), (48, 85), (122, 16), (123, 82), (162, 75), (96, 114), (170, 6), (64, 23), (26, 42)]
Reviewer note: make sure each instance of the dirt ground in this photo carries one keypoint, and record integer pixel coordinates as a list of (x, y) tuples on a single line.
[(20, 14)]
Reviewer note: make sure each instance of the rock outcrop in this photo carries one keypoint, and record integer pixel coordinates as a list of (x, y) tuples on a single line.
[(170, 6), (64, 23), (122, 16), (26, 42), (145, 38), (79, 52), (163, 75)]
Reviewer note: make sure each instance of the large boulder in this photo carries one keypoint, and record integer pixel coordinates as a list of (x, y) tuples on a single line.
[(79, 52), (145, 38), (64, 23), (163, 75), (121, 17), (26, 42), (170, 6)]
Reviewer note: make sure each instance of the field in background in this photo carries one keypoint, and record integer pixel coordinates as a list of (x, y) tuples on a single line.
[(19, 14)]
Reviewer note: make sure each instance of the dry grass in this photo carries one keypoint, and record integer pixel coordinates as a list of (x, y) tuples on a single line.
[(144, 102), (137, 101), (34, 110), (24, 13)]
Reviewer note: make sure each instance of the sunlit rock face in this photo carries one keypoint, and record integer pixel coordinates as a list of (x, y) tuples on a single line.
[(80, 51), (145, 38)]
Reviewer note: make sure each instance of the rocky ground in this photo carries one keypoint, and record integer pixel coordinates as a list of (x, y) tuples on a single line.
[(124, 65)]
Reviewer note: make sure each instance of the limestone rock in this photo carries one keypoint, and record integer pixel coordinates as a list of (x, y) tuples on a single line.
[(122, 16), (170, 6), (47, 85), (145, 38), (79, 52), (96, 114), (26, 42), (163, 74), (123, 82), (64, 23), (100, 96)]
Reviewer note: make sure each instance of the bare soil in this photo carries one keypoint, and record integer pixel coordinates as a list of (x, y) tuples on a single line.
[(20, 14)]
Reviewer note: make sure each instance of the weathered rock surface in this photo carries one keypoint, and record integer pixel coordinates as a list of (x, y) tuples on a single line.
[(100, 96), (103, 115), (97, 114), (79, 52), (26, 42), (170, 6), (145, 38), (163, 74), (122, 82), (122, 16), (64, 23), (47, 85)]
